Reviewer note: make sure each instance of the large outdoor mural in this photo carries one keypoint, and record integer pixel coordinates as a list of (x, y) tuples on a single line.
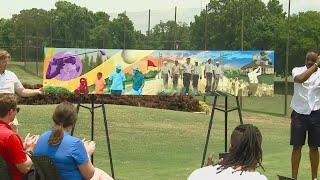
[(160, 72)]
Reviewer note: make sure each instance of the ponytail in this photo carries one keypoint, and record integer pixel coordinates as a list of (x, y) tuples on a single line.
[(56, 135), (65, 115)]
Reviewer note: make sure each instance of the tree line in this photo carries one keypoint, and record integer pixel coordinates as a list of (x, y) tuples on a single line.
[(69, 25)]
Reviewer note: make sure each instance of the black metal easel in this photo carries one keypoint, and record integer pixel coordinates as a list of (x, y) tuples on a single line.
[(226, 111), (91, 109)]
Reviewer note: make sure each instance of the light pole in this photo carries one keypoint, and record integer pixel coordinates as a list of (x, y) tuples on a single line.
[(287, 64)]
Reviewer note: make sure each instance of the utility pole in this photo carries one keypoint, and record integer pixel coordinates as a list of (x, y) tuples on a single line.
[(287, 64), (175, 29), (206, 30)]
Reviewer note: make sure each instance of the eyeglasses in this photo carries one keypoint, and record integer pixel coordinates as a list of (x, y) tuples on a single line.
[(17, 109)]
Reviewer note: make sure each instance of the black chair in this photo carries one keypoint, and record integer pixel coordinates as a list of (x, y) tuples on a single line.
[(45, 168), (4, 173), (284, 178)]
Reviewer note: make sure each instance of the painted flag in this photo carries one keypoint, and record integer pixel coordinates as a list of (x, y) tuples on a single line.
[(150, 63)]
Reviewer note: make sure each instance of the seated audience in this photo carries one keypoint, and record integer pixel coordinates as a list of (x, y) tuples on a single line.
[(12, 149), (71, 155), (245, 155)]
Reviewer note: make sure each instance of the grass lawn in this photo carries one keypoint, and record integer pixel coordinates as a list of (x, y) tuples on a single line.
[(163, 144), (23, 76)]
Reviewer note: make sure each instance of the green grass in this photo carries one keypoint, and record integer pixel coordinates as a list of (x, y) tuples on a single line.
[(162, 144), (23, 76)]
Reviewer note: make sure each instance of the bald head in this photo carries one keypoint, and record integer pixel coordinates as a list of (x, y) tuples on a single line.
[(311, 58)]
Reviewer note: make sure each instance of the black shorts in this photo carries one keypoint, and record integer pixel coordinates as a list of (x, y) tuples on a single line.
[(301, 124)]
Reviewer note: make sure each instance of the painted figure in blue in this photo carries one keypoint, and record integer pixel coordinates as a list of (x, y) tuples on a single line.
[(117, 81), (138, 82)]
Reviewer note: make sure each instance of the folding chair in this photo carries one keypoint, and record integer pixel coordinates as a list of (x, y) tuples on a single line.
[(44, 168)]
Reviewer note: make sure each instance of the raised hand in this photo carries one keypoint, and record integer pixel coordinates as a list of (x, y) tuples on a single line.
[(30, 142)]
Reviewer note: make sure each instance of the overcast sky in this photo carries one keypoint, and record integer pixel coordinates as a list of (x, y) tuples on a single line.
[(137, 9), (9, 7)]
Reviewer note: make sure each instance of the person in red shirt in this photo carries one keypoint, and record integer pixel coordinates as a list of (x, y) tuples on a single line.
[(12, 149)]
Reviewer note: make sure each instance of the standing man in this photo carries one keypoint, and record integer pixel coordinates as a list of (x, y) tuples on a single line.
[(208, 74), (138, 82), (196, 74), (9, 83), (218, 72), (186, 67), (305, 116), (175, 75), (117, 81), (165, 74)]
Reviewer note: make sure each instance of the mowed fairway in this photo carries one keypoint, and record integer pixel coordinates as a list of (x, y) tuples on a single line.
[(163, 144)]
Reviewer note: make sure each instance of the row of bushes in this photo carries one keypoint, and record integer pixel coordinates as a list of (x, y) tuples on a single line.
[(56, 95), (177, 103)]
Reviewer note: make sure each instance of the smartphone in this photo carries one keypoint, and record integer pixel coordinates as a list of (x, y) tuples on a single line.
[(223, 155)]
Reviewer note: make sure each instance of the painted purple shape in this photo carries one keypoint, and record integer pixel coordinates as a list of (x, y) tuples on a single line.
[(102, 52), (64, 66)]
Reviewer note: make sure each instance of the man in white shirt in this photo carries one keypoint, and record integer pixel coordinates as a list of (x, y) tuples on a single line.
[(9, 83), (175, 74), (186, 68), (196, 74), (218, 73), (165, 74), (208, 74), (305, 116)]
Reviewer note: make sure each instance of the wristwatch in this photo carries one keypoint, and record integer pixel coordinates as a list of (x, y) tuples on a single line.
[(317, 65)]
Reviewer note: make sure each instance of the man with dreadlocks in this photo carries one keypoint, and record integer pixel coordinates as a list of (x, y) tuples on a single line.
[(245, 155), (305, 116)]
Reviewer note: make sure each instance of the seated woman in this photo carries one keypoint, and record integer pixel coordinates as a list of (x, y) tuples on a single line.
[(245, 155), (70, 154)]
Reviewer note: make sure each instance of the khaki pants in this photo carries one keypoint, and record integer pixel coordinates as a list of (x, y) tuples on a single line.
[(208, 82)]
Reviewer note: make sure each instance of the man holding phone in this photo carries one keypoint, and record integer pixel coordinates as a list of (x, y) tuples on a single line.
[(305, 116)]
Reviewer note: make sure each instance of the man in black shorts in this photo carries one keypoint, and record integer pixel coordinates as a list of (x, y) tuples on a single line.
[(305, 117)]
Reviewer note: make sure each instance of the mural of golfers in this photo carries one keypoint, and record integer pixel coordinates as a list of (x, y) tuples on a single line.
[(162, 72)]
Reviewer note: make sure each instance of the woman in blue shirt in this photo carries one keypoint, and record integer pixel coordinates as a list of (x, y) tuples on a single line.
[(70, 154)]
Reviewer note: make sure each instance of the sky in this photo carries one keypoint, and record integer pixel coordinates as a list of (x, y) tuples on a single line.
[(137, 10)]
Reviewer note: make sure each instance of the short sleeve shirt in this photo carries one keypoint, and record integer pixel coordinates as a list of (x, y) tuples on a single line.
[(138, 81), (213, 172), (208, 68), (11, 150), (196, 70), (165, 69), (99, 86), (67, 156), (186, 68), (306, 95), (218, 70), (175, 69), (9, 82), (117, 80)]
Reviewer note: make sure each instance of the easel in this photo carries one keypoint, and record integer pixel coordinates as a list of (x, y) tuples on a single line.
[(226, 111), (91, 109)]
